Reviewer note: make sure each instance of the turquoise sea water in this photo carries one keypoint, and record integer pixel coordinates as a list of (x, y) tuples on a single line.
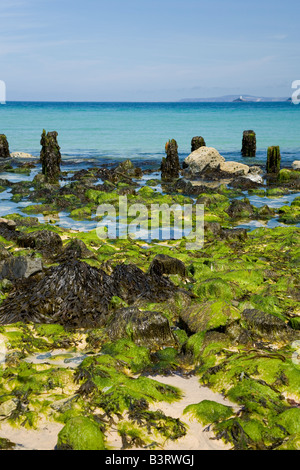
[(110, 131), (95, 133)]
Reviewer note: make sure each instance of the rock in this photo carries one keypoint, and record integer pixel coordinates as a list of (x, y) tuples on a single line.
[(39, 179), (209, 316), (8, 224), (197, 142), (80, 433), (164, 264), (64, 404), (213, 227), (76, 249), (264, 324), (239, 209), (4, 253), (7, 407), (4, 147), (170, 166), (233, 234), (244, 183), (296, 165), (255, 170), (273, 160), (131, 283), (205, 158), (44, 241), (128, 168), (50, 157), (71, 294), (255, 178), (19, 267), (149, 329), (5, 183), (265, 212), (127, 192), (234, 168), (21, 155), (249, 144), (76, 294), (185, 186), (8, 229)]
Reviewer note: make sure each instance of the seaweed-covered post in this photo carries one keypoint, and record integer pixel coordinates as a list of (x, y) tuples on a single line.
[(197, 142), (50, 157), (4, 147), (170, 166), (249, 144), (273, 160)]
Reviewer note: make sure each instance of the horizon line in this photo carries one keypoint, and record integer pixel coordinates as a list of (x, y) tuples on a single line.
[(181, 101)]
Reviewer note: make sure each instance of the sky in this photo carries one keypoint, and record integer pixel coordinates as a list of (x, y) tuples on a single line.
[(147, 50)]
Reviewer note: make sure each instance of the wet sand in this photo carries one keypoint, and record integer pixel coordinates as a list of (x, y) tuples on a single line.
[(45, 438)]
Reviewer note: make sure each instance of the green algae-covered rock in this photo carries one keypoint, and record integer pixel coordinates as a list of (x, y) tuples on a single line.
[(289, 214), (239, 209), (80, 434), (209, 316), (286, 175), (6, 444), (265, 324), (289, 420), (207, 411), (295, 323), (81, 213), (215, 288), (150, 329), (292, 443)]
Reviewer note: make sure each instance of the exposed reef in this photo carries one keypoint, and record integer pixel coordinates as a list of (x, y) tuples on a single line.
[(88, 323)]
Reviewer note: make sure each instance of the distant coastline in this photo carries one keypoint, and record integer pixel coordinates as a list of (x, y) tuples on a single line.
[(220, 99), (236, 99)]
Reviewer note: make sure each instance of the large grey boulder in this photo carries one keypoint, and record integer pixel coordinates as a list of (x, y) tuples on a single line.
[(234, 168), (203, 159)]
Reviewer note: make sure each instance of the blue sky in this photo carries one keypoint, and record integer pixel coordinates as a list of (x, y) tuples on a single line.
[(147, 50)]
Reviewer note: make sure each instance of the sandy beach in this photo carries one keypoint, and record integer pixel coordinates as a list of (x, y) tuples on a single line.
[(197, 437)]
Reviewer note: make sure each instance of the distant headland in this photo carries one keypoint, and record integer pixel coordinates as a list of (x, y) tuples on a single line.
[(235, 99)]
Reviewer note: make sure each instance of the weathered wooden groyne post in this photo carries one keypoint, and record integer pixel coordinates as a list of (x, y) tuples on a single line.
[(197, 142), (170, 166), (273, 160), (249, 144), (4, 147), (50, 157)]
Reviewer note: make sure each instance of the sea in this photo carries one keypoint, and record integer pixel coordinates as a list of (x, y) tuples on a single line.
[(89, 133), (94, 134)]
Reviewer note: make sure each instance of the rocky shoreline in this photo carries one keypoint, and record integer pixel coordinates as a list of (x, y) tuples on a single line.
[(125, 312)]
